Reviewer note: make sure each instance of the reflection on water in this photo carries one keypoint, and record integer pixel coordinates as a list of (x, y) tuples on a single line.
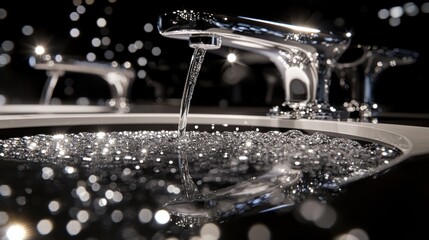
[(129, 184)]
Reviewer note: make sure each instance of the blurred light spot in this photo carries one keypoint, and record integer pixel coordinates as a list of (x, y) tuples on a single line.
[(127, 64), (16, 232), (39, 50), (73, 227), (396, 12), (359, 234), (21, 200), (96, 42), (148, 27), (411, 9), (96, 187), (54, 206), (4, 218), (321, 215), (117, 216), (74, 16), (171, 188), (27, 30), (5, 190), (101, 22), (112, 1), (102, 202), (383, 13), (132, 48), (106, 41), (58, 58), (394, 22), (348, 34), (82, 216), (161, 183), (425, 7), (82, 101), (354, 234), (162, 216), (47, 173), (44, 226), (81, 9), (141, 74), (259, 232), (4, 59), (117, 196), (70, 169), (89, 2), (91, 57), (3, 13), (77, 2), (156, 51), (210, 231), (311, 210), (108, 54), (74, 32), (7, 45), (56, 101), (234, 74), (231, 57), (138, 44), (142, 61), (119, 47), (145, 215), (328, 218)]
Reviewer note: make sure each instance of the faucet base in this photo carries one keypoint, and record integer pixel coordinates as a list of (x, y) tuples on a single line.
[(312, 110), (121, 104), (361, 111)]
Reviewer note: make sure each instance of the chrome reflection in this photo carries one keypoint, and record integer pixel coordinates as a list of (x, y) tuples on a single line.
[(304, 56)]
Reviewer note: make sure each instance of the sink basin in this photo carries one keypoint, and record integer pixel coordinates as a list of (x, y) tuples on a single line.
[(128, 204)]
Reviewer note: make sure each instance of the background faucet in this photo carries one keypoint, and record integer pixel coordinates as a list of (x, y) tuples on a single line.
[(118, 78), (359, 75), (304, 56)]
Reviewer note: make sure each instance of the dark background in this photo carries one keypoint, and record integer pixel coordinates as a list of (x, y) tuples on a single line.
[(392, 206), (399, 89)]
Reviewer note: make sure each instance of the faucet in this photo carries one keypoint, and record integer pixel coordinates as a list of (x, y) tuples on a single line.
[(304, 56), (359, 75), (118, 78)]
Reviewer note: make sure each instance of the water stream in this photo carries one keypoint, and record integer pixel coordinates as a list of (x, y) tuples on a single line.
[(191, 79)]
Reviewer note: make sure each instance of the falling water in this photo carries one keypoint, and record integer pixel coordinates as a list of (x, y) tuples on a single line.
[(191, 79), (197, 59)]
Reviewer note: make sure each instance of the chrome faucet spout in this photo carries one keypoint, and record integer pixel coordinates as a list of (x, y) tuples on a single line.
[(304, 56)]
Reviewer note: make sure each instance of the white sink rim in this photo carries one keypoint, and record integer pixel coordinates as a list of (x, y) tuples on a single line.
[(411, 140)]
